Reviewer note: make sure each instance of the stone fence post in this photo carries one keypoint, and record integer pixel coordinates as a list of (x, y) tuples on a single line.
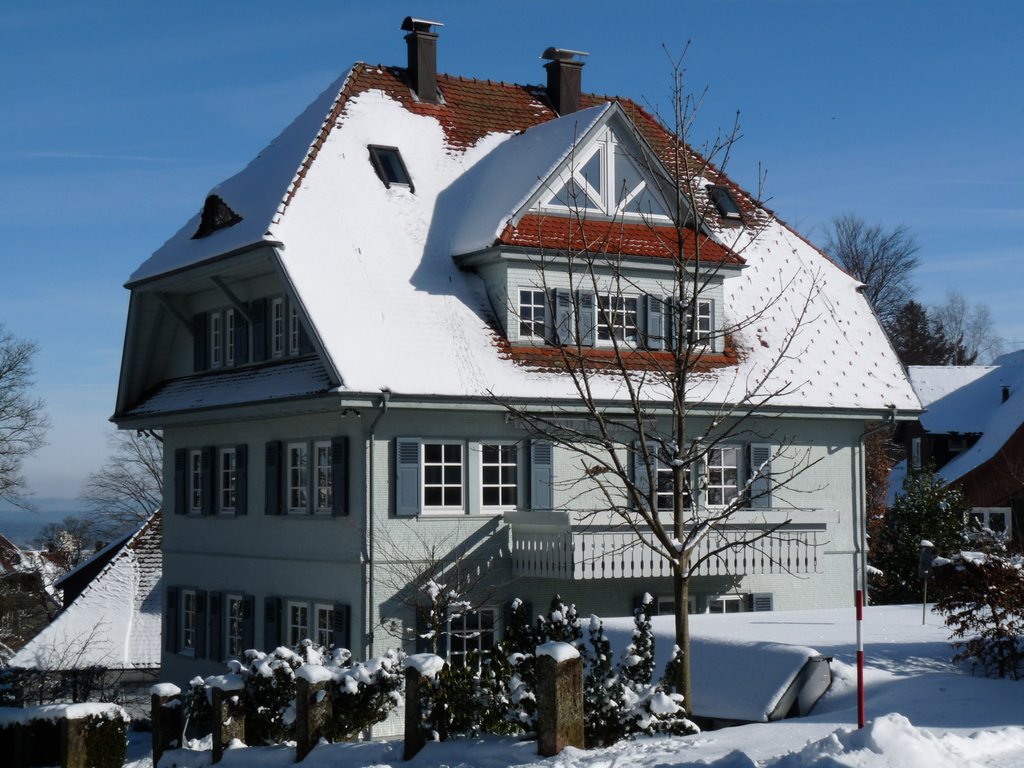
[(166, 717), (559, 698), (228, 711), (421, 670), (313, 707)]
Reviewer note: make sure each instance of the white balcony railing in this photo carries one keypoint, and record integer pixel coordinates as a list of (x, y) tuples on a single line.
[(546, 545)]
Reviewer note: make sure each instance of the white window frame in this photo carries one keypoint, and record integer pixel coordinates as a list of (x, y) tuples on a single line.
[(277, 336), (722, 467), (666, 604), (234, 625), (293, 331), (189, 632), (915, 453), (297, 618), (514, 464), (195, 481), (528, 305), (618, 314), (297, 487), (216, 340), (324, 635), (719, 604), (323, 478), (704, 333), (227, 477), (229, 338), (984, 516), (444, 485), (469, 628)]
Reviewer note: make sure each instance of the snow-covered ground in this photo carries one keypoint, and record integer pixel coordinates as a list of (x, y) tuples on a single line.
[(922, 711)]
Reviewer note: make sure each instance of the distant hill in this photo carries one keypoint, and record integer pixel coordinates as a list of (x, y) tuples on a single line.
[(23, 527), (42, 504)]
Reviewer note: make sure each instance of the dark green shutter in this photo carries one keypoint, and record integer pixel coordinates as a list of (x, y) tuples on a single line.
[(241, 339), (216, 644), (180, 481), (200, 342), (258, 311), (655, 316), (201, 618), (272, 478), (339, 476), (210, 476), (271, 623), (171, 618), (760, 462), (342, 625), (241, 479)]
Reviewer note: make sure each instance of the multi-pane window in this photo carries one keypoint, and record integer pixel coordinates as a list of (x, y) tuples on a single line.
[(498, 476), (277, 327), (532, 314), (324, 626), (235, 630), (293, 331), (189, 620), (228, 478), (723, 475), (616, 317), (216, 340), (728, 604), (229, 337), (322, 491), (298, 623), (442, 475), (195, 481), (298, 478), (469, 632), (704, 325)]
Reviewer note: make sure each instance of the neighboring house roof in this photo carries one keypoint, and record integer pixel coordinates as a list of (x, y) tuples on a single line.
[(115, 622), (373, 268), (934, 382), (11, 558)]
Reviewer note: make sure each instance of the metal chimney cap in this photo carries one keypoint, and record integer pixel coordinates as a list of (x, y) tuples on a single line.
[(419, 25), (561, 54)]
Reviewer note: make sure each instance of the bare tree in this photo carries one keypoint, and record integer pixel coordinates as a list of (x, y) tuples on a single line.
[(883, 259), (23, 422), (129, 488), (969, 328), (653, 443), (70, 542)]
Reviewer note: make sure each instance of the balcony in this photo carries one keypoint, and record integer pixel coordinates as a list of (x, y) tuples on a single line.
[(549, 545)]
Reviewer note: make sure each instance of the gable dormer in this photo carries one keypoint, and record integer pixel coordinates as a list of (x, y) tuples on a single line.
[(216, 215)]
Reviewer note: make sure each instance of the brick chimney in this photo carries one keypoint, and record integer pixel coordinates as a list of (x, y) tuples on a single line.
[(565, 74), (422, 57)]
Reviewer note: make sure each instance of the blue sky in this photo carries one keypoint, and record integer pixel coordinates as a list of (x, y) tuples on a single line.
[(118, 118)]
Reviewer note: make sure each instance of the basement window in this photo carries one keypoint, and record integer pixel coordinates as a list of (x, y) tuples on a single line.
[(387, 162), (724, 202)]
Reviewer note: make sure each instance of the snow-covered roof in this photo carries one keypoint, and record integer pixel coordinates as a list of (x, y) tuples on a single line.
[(373, 265), (115, 622), (978, 407), (934, 382)]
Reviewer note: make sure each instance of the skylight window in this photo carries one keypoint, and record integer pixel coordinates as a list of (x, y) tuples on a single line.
[(216, 215), (725, 203), (387, 162)]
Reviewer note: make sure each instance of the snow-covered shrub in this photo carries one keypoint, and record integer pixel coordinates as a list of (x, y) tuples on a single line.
[(927, 509), (363, 693), (198, 710), (982, 599), (560, 625), (602, 690), (519, 665), (270, 694)]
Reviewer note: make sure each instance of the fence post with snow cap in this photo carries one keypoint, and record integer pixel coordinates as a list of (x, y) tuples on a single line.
[(228, 711), (166, 718), (559, 698), (313, 707), (420, 669)]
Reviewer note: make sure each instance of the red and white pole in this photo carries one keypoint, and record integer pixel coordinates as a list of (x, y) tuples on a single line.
[(860, 660)]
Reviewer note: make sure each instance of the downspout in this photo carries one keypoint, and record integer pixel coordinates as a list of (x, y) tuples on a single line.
[(890, 423), (371, 510)]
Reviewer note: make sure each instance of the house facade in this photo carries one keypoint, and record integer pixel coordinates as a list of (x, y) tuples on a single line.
[(336, 347), (972, 434)]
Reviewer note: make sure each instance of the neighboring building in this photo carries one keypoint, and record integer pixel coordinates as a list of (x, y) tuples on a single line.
[(113, 622), (972, 434), (327, 345), (28, 594)]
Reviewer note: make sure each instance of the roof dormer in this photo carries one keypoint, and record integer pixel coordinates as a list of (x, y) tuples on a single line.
[(216, 215)]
